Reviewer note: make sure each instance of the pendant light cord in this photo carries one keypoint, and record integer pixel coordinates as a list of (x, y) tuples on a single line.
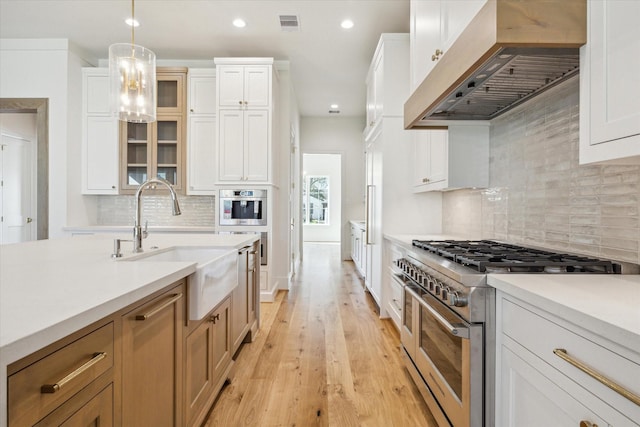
[(133, 23)]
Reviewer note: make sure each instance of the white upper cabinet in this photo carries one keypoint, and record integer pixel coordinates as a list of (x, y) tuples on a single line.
[(434, 26), (202, 132), (99, 135), (387, 80), (610, 83), (244, 114), (202, 91), (453, 158), (244, 86)]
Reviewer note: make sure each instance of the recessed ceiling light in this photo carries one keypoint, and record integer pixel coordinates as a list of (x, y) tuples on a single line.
[(132, 22), (239, 23), (334, 106), (347, 24)]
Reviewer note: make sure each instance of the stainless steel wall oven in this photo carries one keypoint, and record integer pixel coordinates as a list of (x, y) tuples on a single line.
[(243, 207)]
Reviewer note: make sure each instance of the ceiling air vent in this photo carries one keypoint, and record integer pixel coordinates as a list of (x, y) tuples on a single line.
[(289, 23), (334, 111)]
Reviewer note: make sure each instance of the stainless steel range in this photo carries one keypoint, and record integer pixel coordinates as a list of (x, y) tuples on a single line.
[(448, 318)]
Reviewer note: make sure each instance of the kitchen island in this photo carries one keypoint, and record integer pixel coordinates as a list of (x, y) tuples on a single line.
[(50, 289)]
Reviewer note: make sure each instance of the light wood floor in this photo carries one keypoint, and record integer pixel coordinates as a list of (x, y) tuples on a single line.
[(322, 358)]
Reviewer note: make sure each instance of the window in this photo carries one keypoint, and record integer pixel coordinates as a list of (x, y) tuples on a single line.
[(315, 200)]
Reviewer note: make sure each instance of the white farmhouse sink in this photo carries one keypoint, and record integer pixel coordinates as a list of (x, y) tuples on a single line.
[(215, 277)]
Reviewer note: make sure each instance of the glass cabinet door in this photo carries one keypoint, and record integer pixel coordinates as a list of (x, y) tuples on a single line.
[(138, 146), (156, 149), (168, 153)]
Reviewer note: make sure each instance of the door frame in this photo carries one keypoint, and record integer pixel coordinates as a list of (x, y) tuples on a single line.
[(39, 106)]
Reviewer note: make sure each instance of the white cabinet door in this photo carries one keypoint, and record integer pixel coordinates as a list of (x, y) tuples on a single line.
[(257, 90), (202, 94), (424, 38), (378, 84), (101, 155), (430, 157), (438, 158), (256, 143), (99, 135), (610, 82), (202, 155), (532, 399), (246, 86), (230, 86), (231, 145)]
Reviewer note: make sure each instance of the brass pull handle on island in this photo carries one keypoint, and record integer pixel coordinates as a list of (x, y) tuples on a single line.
[(159, 308), (52, 388)]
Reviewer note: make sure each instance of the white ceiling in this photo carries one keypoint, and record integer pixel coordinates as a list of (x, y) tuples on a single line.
[(328, 64)]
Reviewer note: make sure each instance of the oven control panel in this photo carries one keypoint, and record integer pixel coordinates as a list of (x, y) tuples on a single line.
[(431, 284)]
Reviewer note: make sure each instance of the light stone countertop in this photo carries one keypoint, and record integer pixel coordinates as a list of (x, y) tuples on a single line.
[(52, 288), (607, 305), (358, 223)]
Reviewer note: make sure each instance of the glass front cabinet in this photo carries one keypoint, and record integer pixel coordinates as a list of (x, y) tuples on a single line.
[(157, 149)]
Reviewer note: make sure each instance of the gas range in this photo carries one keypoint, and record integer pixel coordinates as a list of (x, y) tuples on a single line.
[(497, 257)]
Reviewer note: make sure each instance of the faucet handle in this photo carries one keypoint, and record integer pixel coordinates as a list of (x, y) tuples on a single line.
[(145, 232)]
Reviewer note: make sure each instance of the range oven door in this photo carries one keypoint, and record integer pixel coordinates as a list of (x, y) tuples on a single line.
[(449, 354)]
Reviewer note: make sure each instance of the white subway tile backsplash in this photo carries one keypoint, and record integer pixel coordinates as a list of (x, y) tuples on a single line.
[(197, 211), (540, 195)]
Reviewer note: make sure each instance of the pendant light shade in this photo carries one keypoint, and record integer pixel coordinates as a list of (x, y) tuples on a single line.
[(132, 71), (132, 74)]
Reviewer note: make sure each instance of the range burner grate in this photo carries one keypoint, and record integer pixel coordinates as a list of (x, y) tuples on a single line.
[(497, 257)]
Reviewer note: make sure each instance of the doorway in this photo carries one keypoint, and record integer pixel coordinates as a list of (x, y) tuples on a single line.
[(40, 173), (17, 186), (321, 198)]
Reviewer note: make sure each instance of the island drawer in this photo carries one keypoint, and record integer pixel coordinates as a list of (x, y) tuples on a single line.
[(560, 344), (39, 388)]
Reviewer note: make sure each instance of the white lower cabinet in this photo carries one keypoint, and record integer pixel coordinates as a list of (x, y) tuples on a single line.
[(536, 386), (358, 247)]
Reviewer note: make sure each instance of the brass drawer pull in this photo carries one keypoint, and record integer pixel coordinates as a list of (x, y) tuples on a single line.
[(159, 308), (52, 388), (562, 354)]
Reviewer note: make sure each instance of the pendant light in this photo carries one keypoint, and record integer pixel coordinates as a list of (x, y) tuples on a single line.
[(132, 74)]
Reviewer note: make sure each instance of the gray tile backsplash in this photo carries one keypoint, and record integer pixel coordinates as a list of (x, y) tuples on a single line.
[(538, 193), (197, 211)]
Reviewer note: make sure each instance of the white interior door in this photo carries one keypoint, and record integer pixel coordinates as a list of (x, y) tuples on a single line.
[(17, 192)]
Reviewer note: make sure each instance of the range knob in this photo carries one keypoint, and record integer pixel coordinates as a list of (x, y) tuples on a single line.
[(437, 287), (444, 292), (457, 300)]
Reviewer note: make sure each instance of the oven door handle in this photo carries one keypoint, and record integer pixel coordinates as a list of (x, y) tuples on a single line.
[(459, 330)]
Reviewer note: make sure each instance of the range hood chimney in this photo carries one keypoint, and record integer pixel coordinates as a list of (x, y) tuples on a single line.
[(511, 51)]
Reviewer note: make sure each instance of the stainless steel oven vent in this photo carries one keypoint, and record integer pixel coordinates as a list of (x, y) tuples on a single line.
[(505, 81)]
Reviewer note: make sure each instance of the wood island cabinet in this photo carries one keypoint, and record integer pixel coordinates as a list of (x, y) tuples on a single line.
[(152, 360), (207, 361)]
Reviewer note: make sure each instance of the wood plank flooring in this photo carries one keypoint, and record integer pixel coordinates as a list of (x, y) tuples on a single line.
[(323, 357)]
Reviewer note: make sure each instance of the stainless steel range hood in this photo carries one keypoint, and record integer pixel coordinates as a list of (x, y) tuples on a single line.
[(511, 51)]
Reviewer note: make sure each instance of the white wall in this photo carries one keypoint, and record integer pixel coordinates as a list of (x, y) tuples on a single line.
[(329, 165), (33, 68), (340, 135)]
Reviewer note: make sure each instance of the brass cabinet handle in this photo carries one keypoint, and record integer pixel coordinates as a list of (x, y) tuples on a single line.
[(240, 102), (214, 318), (159, 308), (425, 180), (52, 388), (585, 423), (436, 55), (562, 354)]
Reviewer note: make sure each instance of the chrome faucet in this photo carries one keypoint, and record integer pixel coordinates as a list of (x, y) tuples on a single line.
[(138, 233)]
